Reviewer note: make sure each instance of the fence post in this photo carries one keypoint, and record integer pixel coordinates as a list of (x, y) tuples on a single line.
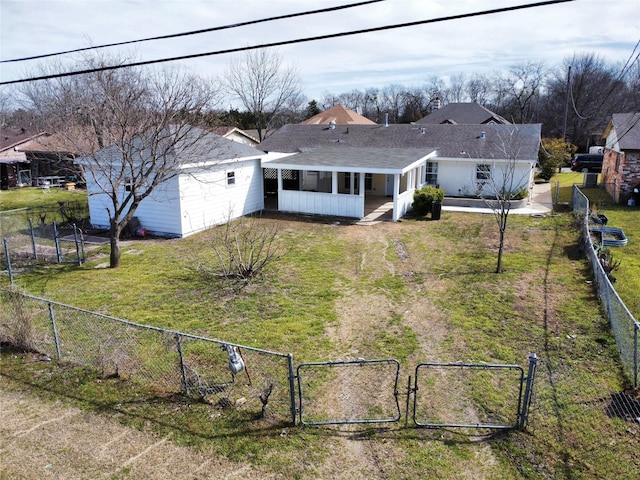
[(33, 239), (6, 254), (292, 390), (635, 354), (409, 391), (183, 370), (57, 240), (524, 414), (75, 237), (52, 316)]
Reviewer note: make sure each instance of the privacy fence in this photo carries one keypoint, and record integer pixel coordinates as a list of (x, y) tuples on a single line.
[(625, 327), (262, 383)]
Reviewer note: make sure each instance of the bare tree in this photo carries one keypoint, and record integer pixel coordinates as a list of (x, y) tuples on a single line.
[(264, 86), (502, 182), (520, 91), (133, 130)]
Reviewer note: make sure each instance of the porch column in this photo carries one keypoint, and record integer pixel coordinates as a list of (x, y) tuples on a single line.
[(352, 182), (361, 184), (334, 183), (279, 188), (396, 192)]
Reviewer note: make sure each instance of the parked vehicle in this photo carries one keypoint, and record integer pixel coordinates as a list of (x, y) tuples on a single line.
[(587, 162)]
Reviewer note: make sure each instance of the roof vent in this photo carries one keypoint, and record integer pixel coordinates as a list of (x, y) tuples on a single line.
[(386, 119), (332, 124), (483, 135)]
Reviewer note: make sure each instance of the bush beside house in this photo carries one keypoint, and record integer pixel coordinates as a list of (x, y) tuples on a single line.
[(424, 198)]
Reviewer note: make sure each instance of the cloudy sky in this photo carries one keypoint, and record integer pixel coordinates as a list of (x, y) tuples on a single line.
[(407, 56)]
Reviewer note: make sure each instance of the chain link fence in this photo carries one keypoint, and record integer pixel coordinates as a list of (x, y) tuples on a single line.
[(28, 240), (625, 327), (256, 381)]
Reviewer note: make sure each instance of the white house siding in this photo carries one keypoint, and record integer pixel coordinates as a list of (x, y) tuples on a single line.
[(317, 203), (206, 198), (191, 202), (457, 177), (99, 203)]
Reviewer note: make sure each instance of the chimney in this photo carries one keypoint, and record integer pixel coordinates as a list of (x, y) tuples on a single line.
[(436, 103), (386, 119)]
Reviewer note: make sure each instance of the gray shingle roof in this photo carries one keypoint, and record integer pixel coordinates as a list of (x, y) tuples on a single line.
[(451, 141), (357, 159), (470, 113), (627, 127)]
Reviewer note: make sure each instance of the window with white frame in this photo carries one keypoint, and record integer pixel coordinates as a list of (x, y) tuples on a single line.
[(231, 178), (431, 177), (483, 172)]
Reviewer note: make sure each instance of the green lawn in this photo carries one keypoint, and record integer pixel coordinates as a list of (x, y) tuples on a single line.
[(414, 290), (33, 196)]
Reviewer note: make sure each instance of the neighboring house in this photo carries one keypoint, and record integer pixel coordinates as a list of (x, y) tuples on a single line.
[(32, 159), (225, 184), (470, 113), (237, 135), (332, 170), (338, 115), (621, 164)]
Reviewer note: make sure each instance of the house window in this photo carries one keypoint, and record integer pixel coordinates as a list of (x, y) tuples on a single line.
[(483, 172), (618, 158), (128, 184), (231, 178), (432, 173)]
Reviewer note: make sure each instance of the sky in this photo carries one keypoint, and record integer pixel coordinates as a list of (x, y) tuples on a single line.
[(408, 56)]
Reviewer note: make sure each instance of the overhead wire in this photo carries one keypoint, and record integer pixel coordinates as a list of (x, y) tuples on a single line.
[(603, 99), (291, 42), (196, 32)]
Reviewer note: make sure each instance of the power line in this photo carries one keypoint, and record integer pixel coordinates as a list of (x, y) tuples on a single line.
[(290, 42), (196, 32)]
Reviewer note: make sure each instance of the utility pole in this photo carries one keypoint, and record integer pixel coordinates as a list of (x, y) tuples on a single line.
[(566, 106)]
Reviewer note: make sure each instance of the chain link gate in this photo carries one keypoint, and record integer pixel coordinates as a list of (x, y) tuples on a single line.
[(454, 395), (347, 392)]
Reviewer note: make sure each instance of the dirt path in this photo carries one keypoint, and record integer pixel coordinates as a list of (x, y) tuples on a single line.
[(50, 440), (355, 453)]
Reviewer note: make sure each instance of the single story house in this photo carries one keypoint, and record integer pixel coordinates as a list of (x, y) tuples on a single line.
[(28, 159), (210, 189), (621, 163), (333, 169)]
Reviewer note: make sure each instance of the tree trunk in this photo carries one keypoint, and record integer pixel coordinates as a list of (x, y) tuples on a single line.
[(500, 248), (114, 237)]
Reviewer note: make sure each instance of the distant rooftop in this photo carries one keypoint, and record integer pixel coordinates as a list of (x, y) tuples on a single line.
[(470, 113), (339, 115)]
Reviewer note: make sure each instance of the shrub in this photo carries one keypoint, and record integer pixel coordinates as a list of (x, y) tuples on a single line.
[(423, 198)]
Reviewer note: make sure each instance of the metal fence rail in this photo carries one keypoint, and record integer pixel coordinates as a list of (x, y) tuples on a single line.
[(625, 327), (156, 359)]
